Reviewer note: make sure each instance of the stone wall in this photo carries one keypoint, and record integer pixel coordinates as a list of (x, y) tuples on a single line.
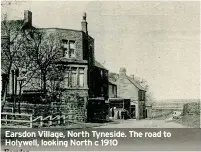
[(192, 108), (142, 109), (66, 34), (74, 104)]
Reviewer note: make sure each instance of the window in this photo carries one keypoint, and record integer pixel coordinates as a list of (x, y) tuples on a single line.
[(72, 49), (65, 48), (66, 79), (74, 78), (101, 73), (113, 89), (68, 48), (141, 95), (81, 78)]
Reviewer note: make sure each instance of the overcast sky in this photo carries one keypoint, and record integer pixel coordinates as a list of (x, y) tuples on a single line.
[(157, 41)]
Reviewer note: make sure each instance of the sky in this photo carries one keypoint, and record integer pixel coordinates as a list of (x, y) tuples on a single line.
[(157, 41)]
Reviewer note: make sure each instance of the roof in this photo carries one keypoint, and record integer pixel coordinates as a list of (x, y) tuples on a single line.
[(111, 82), (55, 28), (97, 64), (134, 82)]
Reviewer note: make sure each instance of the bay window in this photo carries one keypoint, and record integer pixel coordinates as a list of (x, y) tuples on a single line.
[(74, 78)]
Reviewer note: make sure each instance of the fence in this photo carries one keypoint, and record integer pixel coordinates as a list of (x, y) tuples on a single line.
[(13, 120)]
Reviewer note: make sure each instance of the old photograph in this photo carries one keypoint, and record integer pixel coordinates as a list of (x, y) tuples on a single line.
[(100, 64)]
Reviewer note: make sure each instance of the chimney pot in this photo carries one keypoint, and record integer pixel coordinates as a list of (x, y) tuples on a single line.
[(84, 16)]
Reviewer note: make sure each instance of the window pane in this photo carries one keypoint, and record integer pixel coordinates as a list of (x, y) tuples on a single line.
[(81, 80), (72, 45), (81, 77), (72, 53), (66, 54), (81, 70), (74, 77), (72, 49), (66, 81), (65, 44), (74, 80)]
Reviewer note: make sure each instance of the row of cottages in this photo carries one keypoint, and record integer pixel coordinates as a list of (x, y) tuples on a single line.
[(83, 75)]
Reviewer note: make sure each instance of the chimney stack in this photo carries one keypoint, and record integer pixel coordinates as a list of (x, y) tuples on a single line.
[(122, 72), (84, 23), (28, 18), (133, 76)]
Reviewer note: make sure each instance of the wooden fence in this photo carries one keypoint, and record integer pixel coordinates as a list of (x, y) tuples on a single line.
[(14, 120)]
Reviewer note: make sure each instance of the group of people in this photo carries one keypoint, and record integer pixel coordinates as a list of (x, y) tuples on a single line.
[(119, 113)]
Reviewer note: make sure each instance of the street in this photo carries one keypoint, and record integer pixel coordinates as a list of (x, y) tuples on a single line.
[(132, 123)]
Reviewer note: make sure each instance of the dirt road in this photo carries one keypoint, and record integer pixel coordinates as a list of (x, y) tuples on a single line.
[(132, 123)]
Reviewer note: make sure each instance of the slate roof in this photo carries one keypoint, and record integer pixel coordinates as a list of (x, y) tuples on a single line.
[(134, 82), (97, 64)]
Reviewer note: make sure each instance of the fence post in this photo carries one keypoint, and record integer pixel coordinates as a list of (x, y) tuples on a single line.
[(59, 119), (50, 122), (31, 121), (64, 119), (6, 119), (41, 121)]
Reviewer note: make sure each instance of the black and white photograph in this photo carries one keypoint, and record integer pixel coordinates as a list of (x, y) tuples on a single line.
[(102, 66)]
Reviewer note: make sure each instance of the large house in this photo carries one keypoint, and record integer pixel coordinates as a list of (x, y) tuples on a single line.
[(82, 74)]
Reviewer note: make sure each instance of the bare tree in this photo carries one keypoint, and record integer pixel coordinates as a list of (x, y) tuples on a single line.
[(12, 44), (45, 48)]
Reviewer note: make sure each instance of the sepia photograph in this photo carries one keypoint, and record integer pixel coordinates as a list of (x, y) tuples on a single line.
[(102, 65)]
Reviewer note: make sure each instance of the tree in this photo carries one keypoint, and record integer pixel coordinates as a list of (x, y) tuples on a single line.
[(13, 50), (45, 48), (33, 52), (149, 95)]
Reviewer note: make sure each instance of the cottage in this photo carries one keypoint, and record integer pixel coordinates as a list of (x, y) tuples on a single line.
[(129, 88)]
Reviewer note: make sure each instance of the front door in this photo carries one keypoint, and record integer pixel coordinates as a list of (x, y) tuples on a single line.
[(133, 112)]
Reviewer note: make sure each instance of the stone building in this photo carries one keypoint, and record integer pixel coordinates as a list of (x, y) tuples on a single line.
[(128, 88), (112, 89), (83, 76)]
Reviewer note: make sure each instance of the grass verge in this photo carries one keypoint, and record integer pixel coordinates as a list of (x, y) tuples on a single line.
[(192, 121)]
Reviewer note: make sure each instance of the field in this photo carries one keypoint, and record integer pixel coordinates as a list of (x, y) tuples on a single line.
[(192, 116)]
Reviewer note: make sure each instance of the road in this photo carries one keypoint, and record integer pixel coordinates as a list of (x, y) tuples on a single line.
[(132, 123)]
